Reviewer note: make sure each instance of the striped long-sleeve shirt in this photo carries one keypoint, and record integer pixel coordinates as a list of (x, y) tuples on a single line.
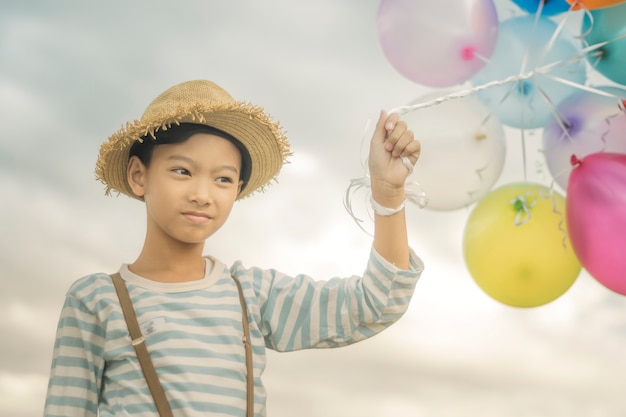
[(193, 332)]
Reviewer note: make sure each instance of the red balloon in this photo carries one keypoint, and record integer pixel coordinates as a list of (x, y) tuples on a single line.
[(596, 217)]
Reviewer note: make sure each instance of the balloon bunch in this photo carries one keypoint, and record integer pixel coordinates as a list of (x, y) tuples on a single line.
[(524, 244)]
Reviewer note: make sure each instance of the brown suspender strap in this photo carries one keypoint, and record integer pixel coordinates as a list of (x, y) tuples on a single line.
[(248, 346), (139, 344), (150, 374)]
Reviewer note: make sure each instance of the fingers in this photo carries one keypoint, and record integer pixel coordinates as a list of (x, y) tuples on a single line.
[(380, 132), (394, 136), (400, 141), (412, 151)]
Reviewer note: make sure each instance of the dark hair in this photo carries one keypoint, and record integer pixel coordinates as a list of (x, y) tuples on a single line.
[(179, 133)]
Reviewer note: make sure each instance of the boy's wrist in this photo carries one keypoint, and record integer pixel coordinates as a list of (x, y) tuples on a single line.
[(387, 195)]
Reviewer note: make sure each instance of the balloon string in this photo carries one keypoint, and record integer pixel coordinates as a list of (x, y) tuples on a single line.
[(559, 174), (355, 185), (582, 87), (481, 57), (400, 110), (561, 224), (589, 16), (560, 118), (555, 210), (607, 121), (363, 142), (539, 10), (554, 37), (600, 44), (524, 162), (552, 40), (527, 49), (479, 174)]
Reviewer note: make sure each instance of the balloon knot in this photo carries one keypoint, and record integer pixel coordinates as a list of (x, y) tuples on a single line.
[(467, 53), (575, 161), (522, 208)]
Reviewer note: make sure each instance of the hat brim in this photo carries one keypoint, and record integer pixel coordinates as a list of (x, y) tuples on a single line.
[(262, 137)]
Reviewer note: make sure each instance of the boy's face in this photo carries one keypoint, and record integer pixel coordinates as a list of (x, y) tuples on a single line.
[(189, 188)]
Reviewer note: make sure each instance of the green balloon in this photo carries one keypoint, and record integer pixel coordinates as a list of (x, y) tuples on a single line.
[(608, 24)]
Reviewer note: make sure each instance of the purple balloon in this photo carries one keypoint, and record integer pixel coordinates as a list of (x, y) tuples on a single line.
[(588, 123), (437, 43), (596, 217)]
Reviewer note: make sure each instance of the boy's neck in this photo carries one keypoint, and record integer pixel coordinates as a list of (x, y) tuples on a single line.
[(170, 264)]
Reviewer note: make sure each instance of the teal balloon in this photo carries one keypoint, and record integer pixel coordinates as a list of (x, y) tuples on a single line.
[(522, 47), (608, 24), (549, 8)]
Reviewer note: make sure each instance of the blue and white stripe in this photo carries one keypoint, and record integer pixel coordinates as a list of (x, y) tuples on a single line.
[(193, 332)]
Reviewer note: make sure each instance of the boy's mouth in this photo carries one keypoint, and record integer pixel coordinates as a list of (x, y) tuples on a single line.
[(196, 217)]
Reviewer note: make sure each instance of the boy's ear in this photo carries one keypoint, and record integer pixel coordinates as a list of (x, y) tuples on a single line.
[(136, 175), (239, 187)]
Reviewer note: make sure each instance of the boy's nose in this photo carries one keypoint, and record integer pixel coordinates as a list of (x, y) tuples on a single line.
[(200, 193)]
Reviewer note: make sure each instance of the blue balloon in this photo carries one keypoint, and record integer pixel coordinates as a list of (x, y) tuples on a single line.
[(525, 44), (550, 7), (608, 24)]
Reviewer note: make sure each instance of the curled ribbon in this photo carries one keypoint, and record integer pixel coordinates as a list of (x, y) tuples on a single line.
[(413, 191), (522, 207)]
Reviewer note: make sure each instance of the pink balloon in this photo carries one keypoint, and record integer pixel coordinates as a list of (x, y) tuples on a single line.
[(438, 43), (596, 217)]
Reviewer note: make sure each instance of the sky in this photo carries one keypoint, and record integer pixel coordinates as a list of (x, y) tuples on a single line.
[(73, 72)]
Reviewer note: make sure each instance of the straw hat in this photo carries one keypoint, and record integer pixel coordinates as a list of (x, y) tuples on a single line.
[(201, 102)]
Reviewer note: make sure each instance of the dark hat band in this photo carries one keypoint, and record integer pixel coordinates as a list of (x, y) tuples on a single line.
[(183, 131)]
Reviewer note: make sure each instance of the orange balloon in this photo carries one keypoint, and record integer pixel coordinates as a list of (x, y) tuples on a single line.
[(593, 4)]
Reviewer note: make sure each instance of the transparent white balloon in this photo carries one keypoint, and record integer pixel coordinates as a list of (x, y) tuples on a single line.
[(463, 150)]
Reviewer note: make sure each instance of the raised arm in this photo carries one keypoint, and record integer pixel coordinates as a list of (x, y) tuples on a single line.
[(390, 142)]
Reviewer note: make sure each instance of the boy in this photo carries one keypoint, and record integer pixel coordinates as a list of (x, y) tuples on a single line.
[(194, 152)]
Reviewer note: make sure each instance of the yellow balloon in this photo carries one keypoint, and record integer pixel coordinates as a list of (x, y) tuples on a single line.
[(516, 247)]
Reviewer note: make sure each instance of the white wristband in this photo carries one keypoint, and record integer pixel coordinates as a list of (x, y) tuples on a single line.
[(385, 211)]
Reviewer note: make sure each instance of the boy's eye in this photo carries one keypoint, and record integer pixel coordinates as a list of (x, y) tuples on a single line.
[(225, 179), (181, 171)]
